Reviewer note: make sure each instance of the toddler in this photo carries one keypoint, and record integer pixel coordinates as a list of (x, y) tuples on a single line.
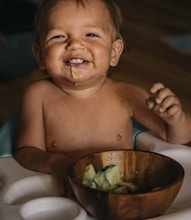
[(79, 109)]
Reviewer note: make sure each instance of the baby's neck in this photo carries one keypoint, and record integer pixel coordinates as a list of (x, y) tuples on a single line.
[(83, 90)]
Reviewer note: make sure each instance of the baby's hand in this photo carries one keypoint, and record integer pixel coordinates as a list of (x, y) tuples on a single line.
[(165, 103), (59, 168)]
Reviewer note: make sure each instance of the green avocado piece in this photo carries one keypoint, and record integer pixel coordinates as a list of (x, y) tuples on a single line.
[(108, 179), (89, 175), (113, 188), (121, 189), (99, 179), (113, 175), (130, 186)]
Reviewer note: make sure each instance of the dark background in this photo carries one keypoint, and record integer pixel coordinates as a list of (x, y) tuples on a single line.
[(147, 57)]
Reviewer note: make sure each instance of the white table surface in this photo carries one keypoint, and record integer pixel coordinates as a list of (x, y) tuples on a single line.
[(11, 171)]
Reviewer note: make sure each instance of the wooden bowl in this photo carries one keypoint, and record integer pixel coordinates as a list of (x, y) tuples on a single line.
[(146, 169)]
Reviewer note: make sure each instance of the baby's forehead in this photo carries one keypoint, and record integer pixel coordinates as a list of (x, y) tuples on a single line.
[(66, 10), (101, 5), (83, 4)]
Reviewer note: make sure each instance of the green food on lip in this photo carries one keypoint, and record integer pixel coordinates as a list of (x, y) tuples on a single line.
[(74, 72)]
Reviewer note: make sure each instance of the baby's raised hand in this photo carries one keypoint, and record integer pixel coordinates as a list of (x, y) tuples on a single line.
[(165, 103)]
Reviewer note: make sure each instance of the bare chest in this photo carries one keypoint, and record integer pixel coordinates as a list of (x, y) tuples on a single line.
[(87, 127)]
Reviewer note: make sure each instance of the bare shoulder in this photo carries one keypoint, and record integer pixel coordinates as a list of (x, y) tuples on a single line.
[(129, 89), (39, 84), (38, 88)]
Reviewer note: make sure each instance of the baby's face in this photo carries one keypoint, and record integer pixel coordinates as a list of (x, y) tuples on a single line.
[(80, 39)]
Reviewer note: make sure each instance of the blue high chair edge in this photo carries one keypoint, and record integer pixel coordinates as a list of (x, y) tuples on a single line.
[(137, 129), (8, 134)]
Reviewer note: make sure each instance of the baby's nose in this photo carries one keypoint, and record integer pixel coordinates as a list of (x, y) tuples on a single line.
[(75, 44)]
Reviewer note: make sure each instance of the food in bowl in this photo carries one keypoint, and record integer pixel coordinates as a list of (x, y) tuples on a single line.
[(147, 170), (108, 179)]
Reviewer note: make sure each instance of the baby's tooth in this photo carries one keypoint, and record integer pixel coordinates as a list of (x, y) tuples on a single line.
[(76, 61)]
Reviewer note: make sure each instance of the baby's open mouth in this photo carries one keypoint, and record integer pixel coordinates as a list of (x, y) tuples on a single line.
[(73, 63), (76, 61)]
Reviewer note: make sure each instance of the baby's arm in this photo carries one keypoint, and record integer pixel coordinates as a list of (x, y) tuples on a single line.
[(167, 105), (55, 164), (31, 145)]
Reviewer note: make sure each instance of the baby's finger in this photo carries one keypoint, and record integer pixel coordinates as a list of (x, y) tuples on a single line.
[(174, 109), (168, 102), (172, 114), (163, 94), (156, 87), (150, 102)]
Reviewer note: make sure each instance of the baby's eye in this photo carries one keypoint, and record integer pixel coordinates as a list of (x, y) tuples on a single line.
[(92, 35), (56, 38)]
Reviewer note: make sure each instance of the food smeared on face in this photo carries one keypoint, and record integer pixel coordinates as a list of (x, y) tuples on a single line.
[(74, 72)]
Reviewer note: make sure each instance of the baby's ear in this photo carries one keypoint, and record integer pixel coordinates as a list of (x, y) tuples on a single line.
[(38, 56), (117, 49)]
